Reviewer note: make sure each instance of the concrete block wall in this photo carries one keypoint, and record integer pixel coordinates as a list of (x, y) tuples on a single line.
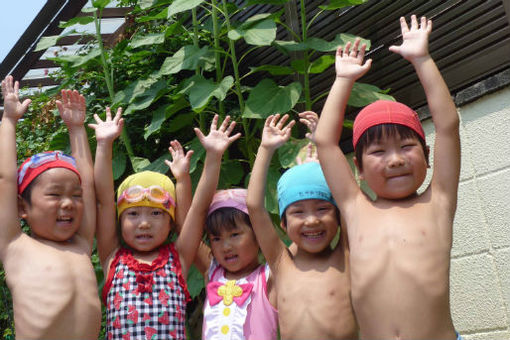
[(480, 265)]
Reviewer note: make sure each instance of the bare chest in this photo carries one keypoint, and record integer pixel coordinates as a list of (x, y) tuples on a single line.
[(54, 290)]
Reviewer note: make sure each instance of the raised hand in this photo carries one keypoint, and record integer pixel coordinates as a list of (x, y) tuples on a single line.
[(218, 139), (415, 43), (13, 108), (72, 108), (349, 61), (109, 129), (275, 134), (310, 119), (180, 163)]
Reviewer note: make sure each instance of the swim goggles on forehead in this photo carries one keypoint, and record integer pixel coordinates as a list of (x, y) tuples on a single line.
[(43, 158), (154, 193)]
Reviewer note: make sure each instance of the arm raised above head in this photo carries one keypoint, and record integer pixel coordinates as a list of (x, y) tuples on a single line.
[(13, 111), (106, 132), (274, 134), (179, 166), (414, 48), (215, 144), (72, 110), (349, 67)]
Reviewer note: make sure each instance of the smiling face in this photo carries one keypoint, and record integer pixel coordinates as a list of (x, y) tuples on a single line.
[(311, 224), (144, 228), (235, 249), (55, 209), (393, 166)]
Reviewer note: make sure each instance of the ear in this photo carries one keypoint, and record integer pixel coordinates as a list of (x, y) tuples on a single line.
[(22, 207), (360, 173), (283, 226)]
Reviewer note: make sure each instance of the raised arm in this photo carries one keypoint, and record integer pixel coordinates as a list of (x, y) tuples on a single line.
[(215, 144), (414, 48), (179, 166), (274, 135), (349, 67), (72, 110), (106, 234), (13, 111)]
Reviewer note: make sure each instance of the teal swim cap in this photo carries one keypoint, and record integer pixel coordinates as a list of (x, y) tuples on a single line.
[(302, 182)]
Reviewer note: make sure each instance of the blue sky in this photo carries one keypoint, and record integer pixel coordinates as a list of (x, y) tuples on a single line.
[(15, 16)]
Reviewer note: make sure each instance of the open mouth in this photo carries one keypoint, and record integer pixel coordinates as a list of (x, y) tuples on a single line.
[(143, 237), (314, 235), (231, 258), (64, 220)]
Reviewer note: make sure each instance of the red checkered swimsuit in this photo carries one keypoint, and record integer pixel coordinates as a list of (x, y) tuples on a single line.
[(145, 301)]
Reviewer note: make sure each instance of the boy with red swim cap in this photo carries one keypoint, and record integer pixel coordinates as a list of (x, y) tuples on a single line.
[(49, 272), (400, 241)]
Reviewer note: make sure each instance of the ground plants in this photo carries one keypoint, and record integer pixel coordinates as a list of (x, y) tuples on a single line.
[(176, 64)]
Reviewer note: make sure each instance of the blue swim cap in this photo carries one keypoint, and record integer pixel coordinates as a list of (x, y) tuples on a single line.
[(302, 182)]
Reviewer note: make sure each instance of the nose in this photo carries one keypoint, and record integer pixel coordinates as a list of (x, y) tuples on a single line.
[(395, 160), (67, 203), (144, 224), (311, 219), (226, 245)]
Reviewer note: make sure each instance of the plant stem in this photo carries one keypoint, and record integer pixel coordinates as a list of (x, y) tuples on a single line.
[(108, 76), (217, 57), (237, 83), (306, 75), (201, 115)]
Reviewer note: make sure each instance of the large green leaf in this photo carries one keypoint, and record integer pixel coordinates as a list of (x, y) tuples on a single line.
[(149, 39), (318, 44), (187, 58), (134, 90), (79, 60), (271, 200), (119, 161), (144, 4), (275, 70), (232, 173), (266, 2), (76, 21), (199, 153), (259, 30), (159, 164), (319, 65), (288, 152), (179, 6), (161, 15), (195, 281), (336, 4), (268, 98), (145, 99), (364, 94), (201, 90), (100, 3), (139, 163), (47, 42), (158, 117)]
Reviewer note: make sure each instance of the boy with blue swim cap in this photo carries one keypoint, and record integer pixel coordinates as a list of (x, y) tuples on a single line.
[(312, 279)]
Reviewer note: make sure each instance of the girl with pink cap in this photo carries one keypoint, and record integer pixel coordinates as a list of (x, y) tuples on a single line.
[(240, 299)]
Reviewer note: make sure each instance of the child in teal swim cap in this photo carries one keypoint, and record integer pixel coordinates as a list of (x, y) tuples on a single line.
[(311, 278)]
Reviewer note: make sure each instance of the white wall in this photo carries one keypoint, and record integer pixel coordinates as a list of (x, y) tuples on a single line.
[(480, 265)]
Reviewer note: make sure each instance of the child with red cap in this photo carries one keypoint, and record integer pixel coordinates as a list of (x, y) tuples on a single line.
[(145, 291), (400, 241), (49, 273)]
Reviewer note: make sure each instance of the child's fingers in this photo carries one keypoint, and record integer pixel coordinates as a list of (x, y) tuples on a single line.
[(199, 133), (224, 125), (414, 22), (214, 122), (118, 115), (189, 154), (355, 47), (403, 25), (16, 87), (234, 137), (282, 121), (347, 48), (108, 113), (230, 128)]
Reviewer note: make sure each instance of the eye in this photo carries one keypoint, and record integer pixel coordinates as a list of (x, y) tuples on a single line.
[(235, 234), (132, 213), (215, 239), (157, 212)]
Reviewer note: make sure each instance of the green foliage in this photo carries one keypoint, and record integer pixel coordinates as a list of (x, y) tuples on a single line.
[(170, 77)]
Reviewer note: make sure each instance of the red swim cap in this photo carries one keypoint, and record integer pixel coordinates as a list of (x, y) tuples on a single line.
[(384, 112), (38, 163)]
